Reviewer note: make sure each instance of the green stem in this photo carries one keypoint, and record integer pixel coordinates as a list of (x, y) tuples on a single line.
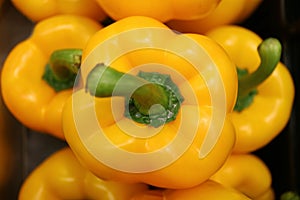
[(270, 52), (290, 195), (144, 95), (62, 68), (105, 81), (65, 63)]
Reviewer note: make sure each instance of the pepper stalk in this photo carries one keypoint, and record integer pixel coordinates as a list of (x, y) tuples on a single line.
[(151, 98), (270, 52), (62, 68)]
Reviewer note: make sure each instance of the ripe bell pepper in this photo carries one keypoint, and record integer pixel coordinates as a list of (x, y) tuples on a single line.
[(270, 94), (181, 152), (208, 190), (37, 10), (248, 174), (27, 95), (160, 10), (227, 12), (61, 176)]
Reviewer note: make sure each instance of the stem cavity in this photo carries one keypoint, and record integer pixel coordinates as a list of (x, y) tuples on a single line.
[(62, 68), (150, 98)]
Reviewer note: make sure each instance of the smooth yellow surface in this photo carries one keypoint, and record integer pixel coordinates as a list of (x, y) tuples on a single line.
[(160, 10), (208, 190), (227, 12), (270, 111), (61, 176), (188, 170), (37, 10), (28, 97), (248, 174)]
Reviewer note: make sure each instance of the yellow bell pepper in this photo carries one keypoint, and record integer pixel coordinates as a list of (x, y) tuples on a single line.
[(248, 174), (208, 190), (37, 10), (160, 10), (268, 195), (227, 12), (61, 176), (268, 112), (27, 95), (176, 150)]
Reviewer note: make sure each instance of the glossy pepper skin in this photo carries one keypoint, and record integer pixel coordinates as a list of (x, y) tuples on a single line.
[(188, 170), (160, 10), (248, 174), (208, 190), (28, 97), (37, 10), (260, 122), (61, 176), (227, 12)]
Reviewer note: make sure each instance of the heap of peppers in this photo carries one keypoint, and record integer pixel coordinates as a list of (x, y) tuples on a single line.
[(147, 112), (100, 80), (124, 132)]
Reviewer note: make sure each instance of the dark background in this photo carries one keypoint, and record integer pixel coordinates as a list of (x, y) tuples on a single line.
[(276, 18)]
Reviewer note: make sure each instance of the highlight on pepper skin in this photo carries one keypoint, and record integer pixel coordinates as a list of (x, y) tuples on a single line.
[(248, 174), (37, 10), (208, 190), (227, 12), (159, 10)]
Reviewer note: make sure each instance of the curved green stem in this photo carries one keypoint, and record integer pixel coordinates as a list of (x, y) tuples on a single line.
[(62, 68), (270, 52), (105, 81), (65, 63), (142, 94)]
